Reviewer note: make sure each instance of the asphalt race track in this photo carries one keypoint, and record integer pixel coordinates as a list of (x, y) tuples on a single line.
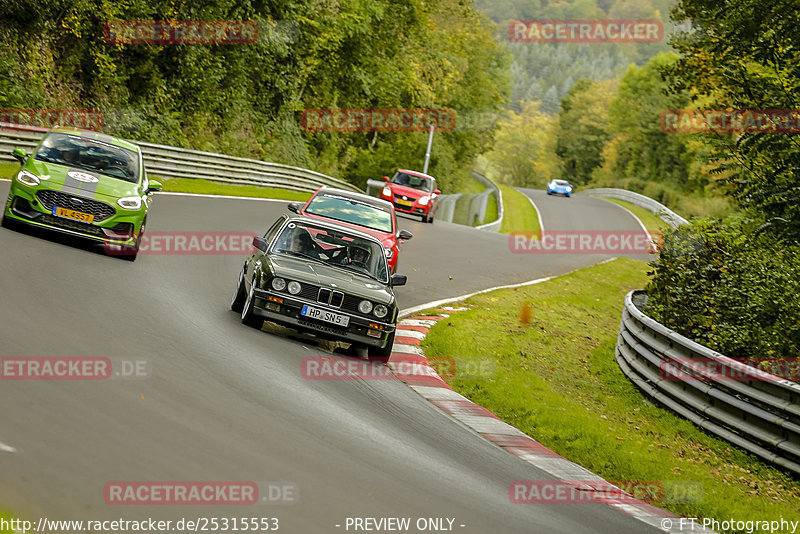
[(225, 402)]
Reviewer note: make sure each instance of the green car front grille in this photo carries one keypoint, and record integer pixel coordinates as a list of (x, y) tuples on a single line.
[(50, 199)]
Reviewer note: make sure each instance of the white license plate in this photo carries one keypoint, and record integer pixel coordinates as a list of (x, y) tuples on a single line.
[(324, 315)]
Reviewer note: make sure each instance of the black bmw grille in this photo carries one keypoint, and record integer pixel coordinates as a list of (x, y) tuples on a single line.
[(331, 297), (308, 292), (50, 199), (346, 302)]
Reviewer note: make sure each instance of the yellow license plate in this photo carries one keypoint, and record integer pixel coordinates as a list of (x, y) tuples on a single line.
[(72, 214), (405, 202)]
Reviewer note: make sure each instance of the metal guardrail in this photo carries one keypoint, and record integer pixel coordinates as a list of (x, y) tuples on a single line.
[(666, 214), (173, 162), (447, 203), (491, 188), (447, 207), (761, 415)]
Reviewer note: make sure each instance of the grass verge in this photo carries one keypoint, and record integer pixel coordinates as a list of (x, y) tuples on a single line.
[(651, 221), (205, 187), (7, 170), (518, 212), (491, 211), (555, 378), (469, 189)]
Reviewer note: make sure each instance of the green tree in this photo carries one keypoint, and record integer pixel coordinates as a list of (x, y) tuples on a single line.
[(743, 54), (643, 149), (584, 128), (524, 147)]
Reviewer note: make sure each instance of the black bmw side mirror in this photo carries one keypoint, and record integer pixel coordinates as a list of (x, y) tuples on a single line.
[(398, 280), (294, 207), (260, 243)]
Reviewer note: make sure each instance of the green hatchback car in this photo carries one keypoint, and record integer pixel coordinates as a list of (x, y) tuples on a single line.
[(86, 184)]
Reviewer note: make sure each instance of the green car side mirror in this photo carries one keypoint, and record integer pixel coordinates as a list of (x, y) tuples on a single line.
[(20, 154), (154, 186)]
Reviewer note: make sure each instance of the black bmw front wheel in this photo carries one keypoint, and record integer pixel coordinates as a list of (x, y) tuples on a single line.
[(239, 296), (248, 316)]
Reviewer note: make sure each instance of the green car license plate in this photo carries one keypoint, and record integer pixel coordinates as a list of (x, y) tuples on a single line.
[(324, 315), (72, 214)]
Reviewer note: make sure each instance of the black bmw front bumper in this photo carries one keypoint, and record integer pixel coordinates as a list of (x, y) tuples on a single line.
[(285, 309)]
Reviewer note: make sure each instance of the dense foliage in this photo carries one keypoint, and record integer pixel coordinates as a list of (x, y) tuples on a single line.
[(745, 54), (733, 284), (246, 99), (736, 294)]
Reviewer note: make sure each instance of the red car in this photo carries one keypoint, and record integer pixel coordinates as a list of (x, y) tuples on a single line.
[(413, 193), (362, 212)]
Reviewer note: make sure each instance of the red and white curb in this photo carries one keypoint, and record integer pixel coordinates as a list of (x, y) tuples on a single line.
[(409, 364)]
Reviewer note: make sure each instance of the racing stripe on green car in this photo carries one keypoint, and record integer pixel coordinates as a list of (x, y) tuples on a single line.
[(81, 183)]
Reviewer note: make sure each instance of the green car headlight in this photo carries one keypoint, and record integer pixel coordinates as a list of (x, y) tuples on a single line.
[(130, 203), (365, 306), (380, 311), (278, 284), (28, 178)]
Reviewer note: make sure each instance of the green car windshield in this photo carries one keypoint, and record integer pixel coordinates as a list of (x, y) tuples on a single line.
[(89, 154), (352, 211), (332, 247)]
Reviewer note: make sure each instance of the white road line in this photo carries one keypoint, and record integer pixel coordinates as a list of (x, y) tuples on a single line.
[(488, 425), (438, 393), (6, 448), (436, 303), (653, 246), (174, 193), (414, 334), (406, 349), (538, 213)]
